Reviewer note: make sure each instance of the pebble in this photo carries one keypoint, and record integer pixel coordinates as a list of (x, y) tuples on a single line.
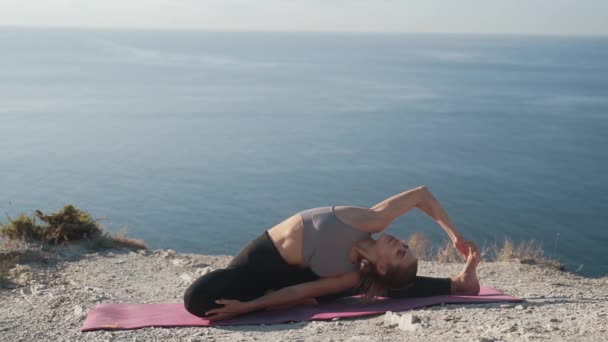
[(509, 329), (185, 277), (143, 252), (409, 322), (178, 262), (485, 339), (78, 311), (391, 319), (203, 271)]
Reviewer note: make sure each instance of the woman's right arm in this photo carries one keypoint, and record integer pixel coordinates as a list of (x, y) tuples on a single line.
[(311, 289)]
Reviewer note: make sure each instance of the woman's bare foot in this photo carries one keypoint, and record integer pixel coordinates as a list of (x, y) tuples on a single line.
[(466, 283)]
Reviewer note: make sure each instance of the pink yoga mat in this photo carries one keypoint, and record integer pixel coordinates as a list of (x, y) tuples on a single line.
[(133, 316)]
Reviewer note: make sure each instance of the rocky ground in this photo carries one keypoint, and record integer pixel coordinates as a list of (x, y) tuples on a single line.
[(48, 294)]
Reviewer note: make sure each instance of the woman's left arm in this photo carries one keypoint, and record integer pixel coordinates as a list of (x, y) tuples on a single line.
[(287, 296)]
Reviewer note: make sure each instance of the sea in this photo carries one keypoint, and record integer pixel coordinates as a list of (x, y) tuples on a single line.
[(198, 141)]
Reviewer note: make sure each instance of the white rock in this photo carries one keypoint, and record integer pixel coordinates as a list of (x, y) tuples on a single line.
[(409, 322), (93, 288), (185, 277), (177, 262), (143, 252), (409, 318), (78, 311), (409, 326), (203, 271), (391, 319), (509, 329)]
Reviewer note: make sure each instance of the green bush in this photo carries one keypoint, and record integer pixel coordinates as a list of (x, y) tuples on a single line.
[(22, 228), (67, 225)]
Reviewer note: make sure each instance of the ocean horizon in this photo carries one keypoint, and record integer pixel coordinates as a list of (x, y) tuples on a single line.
[(199, 141)]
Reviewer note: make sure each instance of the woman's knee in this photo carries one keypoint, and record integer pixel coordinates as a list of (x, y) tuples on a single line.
[(201, 295), (196, 302)]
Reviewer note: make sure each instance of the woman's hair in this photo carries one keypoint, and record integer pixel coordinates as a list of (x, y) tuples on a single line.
[(372, 283)]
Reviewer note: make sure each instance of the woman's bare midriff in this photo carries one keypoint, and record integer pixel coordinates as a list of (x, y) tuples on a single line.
[(287, 237)]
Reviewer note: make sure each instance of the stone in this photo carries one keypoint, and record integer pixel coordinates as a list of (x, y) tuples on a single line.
[(409, 318), (203, 271), (391, 319), (143, 252), (409, 322), (185, 277), (78, 311), (520, 307), (509, 329)]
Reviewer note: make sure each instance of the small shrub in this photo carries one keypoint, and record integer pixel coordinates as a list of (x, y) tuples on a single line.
[(22, 228), (70, 224)]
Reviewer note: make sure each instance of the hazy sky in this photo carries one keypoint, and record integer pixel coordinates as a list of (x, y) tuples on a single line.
[(561, 17)]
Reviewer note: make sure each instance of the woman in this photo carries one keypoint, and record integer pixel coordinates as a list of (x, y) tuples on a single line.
[(328, 252)]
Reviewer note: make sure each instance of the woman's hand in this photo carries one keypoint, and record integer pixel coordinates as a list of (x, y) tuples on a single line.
[(230, 309), (463, 246)]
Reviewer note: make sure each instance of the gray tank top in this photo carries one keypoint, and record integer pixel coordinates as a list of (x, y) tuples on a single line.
[(327, 241)]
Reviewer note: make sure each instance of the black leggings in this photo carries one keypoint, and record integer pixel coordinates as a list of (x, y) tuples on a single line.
[(259, 267)]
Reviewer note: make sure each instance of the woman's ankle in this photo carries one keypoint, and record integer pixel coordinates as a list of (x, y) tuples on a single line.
[(465, 285)]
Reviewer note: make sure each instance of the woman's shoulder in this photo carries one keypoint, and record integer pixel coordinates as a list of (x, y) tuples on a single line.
[(360, 218)]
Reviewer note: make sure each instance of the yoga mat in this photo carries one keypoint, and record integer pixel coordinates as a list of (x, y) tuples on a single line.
[(109, 316)]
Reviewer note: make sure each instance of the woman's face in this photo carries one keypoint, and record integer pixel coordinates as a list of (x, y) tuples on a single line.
[(392, 252)]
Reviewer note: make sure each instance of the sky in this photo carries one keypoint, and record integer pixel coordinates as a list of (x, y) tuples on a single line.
[(543, 17)]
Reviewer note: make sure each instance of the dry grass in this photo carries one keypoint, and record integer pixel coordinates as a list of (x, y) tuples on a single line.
[(529, 252), (118, 240), (447, 253), (420, 245)]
